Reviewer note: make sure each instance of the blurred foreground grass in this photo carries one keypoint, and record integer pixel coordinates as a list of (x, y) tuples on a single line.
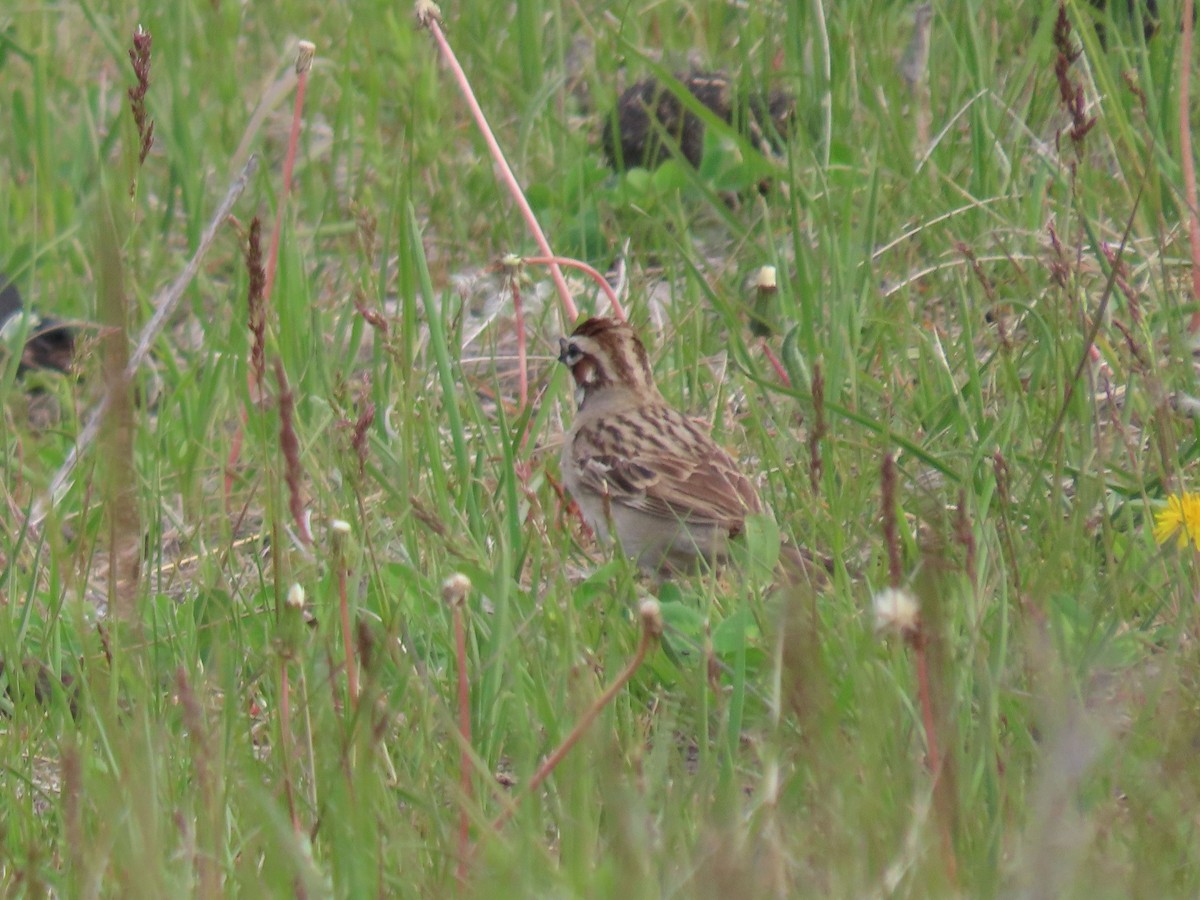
[(943, 254)]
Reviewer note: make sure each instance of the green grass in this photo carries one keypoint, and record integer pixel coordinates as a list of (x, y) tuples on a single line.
[(922, 281)]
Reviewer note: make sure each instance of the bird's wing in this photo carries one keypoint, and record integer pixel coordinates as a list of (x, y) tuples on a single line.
[(674, 471)]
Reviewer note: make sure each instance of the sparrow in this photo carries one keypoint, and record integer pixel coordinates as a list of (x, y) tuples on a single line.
[(638, 467)]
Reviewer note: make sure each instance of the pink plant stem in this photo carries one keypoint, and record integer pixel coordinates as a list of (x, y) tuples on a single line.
[(931, 748), (506, 173), (1185, 153), (780, 371), (586, 269), (303, 63), (464, 757), (935, 760)]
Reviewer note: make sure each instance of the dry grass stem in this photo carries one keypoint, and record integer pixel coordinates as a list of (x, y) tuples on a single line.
[(289, 445)]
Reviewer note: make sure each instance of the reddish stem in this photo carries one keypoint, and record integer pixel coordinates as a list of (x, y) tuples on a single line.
[(917, 641), (926, 695), (303, 64), (1185, 153), (586, 269), (506, 173), (780, 371), (891, 528)]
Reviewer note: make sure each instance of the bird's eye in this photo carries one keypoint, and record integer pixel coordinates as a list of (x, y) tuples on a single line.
[(568, 352)]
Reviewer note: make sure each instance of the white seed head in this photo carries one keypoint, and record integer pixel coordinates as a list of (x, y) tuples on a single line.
[(295, 597), (896, 610), (304, 56), (455, 589), (764, 279), (651, 616), (427, 12)]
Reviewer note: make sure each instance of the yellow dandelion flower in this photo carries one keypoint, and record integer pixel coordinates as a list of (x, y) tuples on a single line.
[(1180, 519)]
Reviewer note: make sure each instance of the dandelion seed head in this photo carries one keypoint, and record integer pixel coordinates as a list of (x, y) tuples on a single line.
[(455, 589), (765, 278), (651, 615), (295, 597), (896, 610)]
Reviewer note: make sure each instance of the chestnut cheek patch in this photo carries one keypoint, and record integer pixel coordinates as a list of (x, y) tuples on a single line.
[(586, 373)]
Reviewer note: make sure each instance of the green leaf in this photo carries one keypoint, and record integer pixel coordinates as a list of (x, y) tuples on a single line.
[(759, 551), (671, 176)]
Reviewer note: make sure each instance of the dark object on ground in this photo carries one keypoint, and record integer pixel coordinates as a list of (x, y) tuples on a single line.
[(51, 342), (37, 676), (650, 120), (1149, 14)]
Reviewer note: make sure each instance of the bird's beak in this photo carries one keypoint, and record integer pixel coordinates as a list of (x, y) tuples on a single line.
[(562, 350)]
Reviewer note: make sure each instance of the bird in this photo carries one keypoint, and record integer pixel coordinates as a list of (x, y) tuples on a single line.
[(637, 466), (49, 343)]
